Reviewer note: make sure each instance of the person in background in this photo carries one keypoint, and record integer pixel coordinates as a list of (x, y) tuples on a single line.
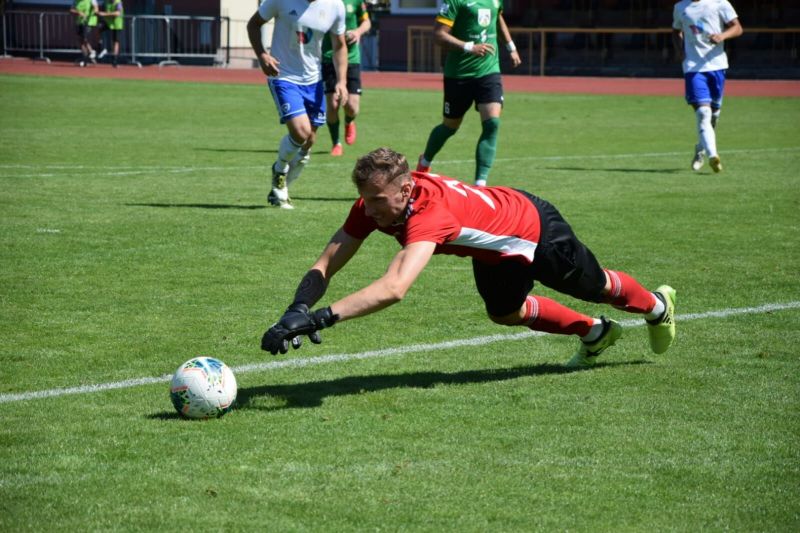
[(94, 32), (699, 29), (292, 67), (513, 238), (357, 23), (84, 12), (469, 31), (113, 20)]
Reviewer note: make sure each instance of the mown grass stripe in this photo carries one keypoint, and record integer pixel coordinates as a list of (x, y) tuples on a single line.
[(125, 170)]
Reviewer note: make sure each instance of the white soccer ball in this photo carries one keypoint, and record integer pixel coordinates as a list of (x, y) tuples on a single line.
[(203, 387)]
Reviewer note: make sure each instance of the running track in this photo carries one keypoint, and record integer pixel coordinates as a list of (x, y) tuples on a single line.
[(403, 80)]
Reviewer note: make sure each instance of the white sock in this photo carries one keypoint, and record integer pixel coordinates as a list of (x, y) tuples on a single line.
[(706, 131), (296, 166), (657, 309), (595, 332), (715, 117), (301, 154), (286, 152)]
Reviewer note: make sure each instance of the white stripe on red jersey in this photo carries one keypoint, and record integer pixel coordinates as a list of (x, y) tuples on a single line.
[(487, 223)]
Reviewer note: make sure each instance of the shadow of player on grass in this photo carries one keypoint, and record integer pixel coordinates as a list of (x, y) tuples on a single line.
[(308, 395), (622, 170), (347, 200)]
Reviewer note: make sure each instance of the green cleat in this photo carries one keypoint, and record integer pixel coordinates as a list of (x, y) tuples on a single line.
[(587, 353), (662, 330), (716, 164)]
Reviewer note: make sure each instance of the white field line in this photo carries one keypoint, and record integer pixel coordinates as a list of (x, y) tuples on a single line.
[(123, 170), (372, 354)]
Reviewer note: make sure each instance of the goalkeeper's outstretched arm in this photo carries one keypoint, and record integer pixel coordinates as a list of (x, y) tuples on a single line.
[(389, 288), (339, 250)]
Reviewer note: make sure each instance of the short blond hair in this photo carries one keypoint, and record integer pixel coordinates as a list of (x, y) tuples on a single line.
[(382, 163)]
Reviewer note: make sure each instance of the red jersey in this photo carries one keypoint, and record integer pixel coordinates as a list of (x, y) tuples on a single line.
[(487, 223)]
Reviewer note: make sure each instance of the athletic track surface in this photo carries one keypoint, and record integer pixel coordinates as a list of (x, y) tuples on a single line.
[(403, 80)]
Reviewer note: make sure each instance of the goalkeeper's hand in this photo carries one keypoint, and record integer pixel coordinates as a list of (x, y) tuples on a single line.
[(296, 322)]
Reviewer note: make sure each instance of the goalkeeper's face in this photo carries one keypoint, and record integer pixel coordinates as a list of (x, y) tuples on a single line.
[(385, 202)]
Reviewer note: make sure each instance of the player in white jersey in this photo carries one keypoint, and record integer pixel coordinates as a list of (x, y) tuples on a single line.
[(293, 69), (513, 238), (699, 29)]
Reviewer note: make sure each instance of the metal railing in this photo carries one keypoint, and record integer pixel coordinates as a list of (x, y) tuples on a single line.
[(169, 38), (631, 51), (164, 39)]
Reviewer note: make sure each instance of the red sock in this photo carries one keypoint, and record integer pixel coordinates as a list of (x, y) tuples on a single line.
[(628, 295), (544, 314)]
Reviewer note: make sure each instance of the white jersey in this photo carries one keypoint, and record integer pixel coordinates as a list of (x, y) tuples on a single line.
[(697, 20), (300, 26)]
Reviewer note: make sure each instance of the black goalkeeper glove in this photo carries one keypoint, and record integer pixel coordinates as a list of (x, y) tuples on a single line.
[(295, 322)]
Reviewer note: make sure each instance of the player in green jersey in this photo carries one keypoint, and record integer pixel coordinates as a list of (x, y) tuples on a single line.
[(356, 24), (469, 29), (114, 20), (85, 20)]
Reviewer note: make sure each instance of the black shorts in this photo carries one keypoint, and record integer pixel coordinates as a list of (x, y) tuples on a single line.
[(460, 93), (83, 31), (104, 27), (353, 78), (561, 262)]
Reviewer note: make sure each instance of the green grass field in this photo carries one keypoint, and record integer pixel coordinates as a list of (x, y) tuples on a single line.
[(135, 235)]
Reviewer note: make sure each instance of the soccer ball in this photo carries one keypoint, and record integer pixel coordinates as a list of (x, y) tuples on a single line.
[(203, 387)]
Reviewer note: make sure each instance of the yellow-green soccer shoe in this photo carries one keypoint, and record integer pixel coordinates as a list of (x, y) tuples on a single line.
[(587, 353), (662, 330)]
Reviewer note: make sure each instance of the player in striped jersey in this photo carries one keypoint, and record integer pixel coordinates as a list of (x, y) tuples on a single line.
[(513, 238)]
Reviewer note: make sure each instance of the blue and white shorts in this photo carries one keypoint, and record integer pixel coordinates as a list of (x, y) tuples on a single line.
[(293, 100), (705, 88)]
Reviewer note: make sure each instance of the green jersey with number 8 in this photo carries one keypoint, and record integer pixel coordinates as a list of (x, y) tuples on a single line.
[(471, 21)]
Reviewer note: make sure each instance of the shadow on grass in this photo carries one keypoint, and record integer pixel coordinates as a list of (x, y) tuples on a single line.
[(307, 395), (199, 206), (232, 206), (237, 150), (624, 170), (349, 199), (317, 154)]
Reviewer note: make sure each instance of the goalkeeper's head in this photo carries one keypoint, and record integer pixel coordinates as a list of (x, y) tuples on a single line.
[(384, 182)]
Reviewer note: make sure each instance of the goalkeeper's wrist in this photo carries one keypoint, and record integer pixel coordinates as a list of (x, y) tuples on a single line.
[(511, 47), (468, 46), (324, 317), (298, 307)]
